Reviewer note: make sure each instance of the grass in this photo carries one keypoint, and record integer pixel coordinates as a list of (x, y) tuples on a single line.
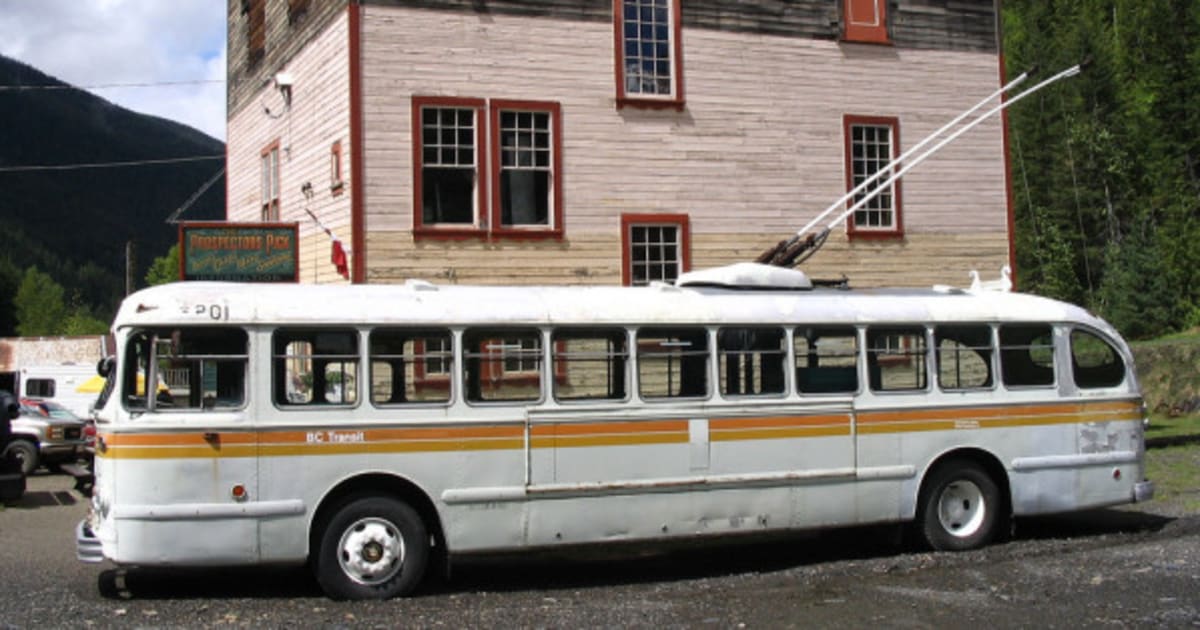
[(1162, 426), (1175, 471)]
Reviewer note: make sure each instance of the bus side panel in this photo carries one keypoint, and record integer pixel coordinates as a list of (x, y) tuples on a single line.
[(466, 464), (658, 515), (179, 511)]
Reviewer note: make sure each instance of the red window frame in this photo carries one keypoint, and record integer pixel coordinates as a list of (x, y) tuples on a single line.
[(420, 228), (676, 99), (488, 167), (336, 182), (269, 208), (681, 221), (865, 21), (555, 229), (853, 230)]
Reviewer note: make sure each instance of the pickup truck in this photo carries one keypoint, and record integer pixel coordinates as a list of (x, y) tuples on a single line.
[(45, 433)]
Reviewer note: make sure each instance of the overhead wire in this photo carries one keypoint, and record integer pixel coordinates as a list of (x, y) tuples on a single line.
[(72, 167), (107, 86)]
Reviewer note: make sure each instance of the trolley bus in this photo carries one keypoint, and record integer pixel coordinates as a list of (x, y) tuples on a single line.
[(372, 430)]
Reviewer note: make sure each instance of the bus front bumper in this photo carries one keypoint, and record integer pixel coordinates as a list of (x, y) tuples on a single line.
[(87, 546), (1143, 491)]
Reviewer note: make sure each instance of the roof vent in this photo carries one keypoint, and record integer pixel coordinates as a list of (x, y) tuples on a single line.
[(747, 276), (415, 284)]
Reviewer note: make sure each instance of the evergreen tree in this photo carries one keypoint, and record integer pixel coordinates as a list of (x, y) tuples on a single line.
[(165, 268), (41, 310)]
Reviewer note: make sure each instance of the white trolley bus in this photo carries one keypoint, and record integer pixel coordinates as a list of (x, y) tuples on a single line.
[(370, 429)]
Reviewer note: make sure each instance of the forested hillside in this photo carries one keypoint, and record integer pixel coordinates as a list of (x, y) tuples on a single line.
[(72, 224), (1106, 166)]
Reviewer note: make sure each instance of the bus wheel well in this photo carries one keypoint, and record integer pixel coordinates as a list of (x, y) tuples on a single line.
[(990, 465), (377, 484)]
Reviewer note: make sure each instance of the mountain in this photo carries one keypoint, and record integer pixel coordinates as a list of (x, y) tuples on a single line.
[(74, 223)]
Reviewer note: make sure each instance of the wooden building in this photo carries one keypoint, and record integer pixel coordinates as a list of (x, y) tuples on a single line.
[(608, 141)]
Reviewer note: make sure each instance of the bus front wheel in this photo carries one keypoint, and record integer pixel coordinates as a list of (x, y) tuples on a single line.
[(959, 507), (373, 547)]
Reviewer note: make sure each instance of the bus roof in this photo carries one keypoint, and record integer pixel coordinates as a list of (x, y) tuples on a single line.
[(422, 303)]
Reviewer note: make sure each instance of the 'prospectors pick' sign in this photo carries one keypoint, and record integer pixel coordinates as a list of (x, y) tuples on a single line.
[(243, 252)]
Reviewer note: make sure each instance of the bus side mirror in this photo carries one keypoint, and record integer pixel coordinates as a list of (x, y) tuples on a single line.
[(104, 366)]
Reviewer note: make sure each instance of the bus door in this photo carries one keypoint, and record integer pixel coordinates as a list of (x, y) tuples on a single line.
[(189, 452)]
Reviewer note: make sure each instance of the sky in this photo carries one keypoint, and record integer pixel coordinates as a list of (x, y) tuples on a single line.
[(91, 43)]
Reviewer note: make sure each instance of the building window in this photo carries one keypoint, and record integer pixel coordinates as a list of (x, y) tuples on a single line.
[(448, 149), (335, 168), (865, 21), (871, 145), (463, 159), (654, 247), (270, 182), (256, 29), (525, 143), (648, 64)]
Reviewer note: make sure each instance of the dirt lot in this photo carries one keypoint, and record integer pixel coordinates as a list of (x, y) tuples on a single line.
[(1135, 566)]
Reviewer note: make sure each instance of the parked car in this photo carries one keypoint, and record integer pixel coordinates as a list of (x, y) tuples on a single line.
[(45, 433)]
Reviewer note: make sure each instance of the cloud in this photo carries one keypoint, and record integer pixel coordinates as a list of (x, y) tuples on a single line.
[(99, 42)]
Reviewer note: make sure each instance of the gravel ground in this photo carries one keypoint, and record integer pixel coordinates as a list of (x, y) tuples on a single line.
[(1132, 567)]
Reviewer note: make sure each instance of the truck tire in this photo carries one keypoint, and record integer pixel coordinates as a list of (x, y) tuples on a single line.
[(25, 452)]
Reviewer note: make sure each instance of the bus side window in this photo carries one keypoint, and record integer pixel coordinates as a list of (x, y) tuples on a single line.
[(410, 366), (193, 369), (672, 362), (312, 367), (751, 361), (590, 364), (896, 358), (964, 357), (502, 364), (1094, 362), (826, 359), (1027, 355)]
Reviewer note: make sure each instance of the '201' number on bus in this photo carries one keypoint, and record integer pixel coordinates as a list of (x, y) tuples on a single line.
[(215, 312)]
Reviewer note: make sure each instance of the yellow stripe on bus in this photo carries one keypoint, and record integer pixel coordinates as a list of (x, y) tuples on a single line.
[(345, 441)]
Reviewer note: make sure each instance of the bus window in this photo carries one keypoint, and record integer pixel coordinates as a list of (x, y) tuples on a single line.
[(751, 361), (826, 359), (502, 364), (410, 366), (964, 357), (1027, 355), (194, 368), (896, 359), (1094, 362), (315, 367), (672, 362), (590, 364)]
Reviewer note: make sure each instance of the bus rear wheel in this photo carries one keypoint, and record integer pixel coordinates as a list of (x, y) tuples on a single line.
[(373, 547), (959, 507)]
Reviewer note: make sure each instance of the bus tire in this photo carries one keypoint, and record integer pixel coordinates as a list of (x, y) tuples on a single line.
[(25, 453), (959, 507), (374, 547)]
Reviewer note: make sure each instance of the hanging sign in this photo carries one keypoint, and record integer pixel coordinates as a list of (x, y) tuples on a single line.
[(240, 252)]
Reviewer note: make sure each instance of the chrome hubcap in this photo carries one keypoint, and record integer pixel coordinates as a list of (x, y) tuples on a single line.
[(371, 551), (961, 509)]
